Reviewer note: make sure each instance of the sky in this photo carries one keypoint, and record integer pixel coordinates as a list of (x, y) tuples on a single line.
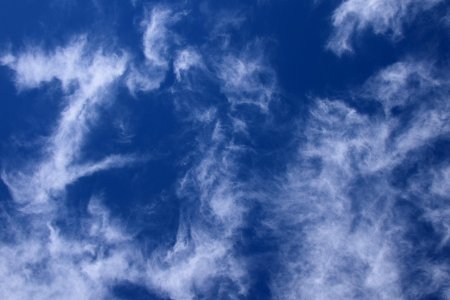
[(252, 149)]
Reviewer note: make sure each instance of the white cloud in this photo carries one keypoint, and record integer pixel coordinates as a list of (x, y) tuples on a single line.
[(354, 17), (202, 256), (186, 59), (342, 234), (156, 35), (397, 84), (44, 265), (156, 43), (440, 182), (327, 255), (334, 216), (103, 254), (246, 79), (85, 75), (195, 264), (41, 262)]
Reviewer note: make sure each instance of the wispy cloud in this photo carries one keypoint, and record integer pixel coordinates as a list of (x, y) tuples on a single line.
[(185, 60), (340, 201), (45, 265), (247, 80), (86, 77), (347, 216), (354, 17), (41, 262), (156, 44), (202, 258)]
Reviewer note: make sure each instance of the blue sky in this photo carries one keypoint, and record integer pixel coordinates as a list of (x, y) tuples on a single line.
[(224, 149)]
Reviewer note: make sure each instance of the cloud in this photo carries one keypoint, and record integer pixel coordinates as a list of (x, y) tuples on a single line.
[(155, 36), (33, 67), (347, 218), (185, 60), (440, 179), (44, 264), (156, 44), (85, 75), (246, 79), (352, 259), (354, 17), (403, 82), (202, 258), (222, 24), (41, 261), (346, 231), (101, 253)]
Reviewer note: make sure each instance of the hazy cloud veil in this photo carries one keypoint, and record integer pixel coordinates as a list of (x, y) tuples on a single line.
[(225, 150)]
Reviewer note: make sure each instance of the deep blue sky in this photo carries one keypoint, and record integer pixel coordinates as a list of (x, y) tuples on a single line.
[(224, 149)]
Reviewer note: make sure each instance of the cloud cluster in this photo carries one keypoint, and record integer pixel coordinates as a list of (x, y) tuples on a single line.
[(41, 262), (358, 213), (102, 254), (344, 205), (203, 259)]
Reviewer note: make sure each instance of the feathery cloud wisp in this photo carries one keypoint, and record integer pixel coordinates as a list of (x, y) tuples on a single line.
[(353, 17)]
